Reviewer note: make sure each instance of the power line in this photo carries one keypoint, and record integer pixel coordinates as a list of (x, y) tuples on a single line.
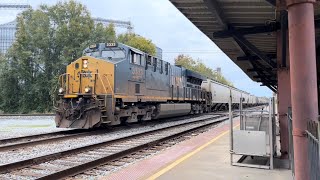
[(14, 6), (117, 23)]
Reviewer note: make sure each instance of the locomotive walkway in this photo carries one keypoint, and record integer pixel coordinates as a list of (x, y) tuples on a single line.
[(203, 157)]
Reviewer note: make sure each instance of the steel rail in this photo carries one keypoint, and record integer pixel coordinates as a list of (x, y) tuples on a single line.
[(13, 146), (12, 143), (21, 138), (45, 158), (103, 160)]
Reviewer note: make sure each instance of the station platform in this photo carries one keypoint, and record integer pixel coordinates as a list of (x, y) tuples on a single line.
[(205, 156)]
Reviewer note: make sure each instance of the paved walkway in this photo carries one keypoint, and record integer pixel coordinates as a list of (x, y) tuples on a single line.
[(213, 162), (203, 157)]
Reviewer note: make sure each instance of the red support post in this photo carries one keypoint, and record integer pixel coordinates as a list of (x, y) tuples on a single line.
[(303, 78), (284, 87), (284, 101)]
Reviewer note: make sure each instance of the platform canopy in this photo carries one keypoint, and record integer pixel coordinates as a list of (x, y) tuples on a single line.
[(245, 30)]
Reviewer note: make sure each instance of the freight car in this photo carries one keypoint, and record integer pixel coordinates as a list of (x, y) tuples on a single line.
[(114, 83)]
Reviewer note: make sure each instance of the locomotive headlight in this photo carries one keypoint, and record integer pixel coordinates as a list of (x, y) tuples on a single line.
[(85, 63), (61, 90), (87, 89)]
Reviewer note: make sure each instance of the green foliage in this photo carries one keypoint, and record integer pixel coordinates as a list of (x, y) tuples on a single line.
[(198, 66), (47, 39), (9, 86), (138, 42), (102, 34)]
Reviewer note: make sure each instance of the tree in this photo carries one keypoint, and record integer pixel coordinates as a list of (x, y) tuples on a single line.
[(198, 66), (138, 42), (47, 39), (102, 34), (9, 86)]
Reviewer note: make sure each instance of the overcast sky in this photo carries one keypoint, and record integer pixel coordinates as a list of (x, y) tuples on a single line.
[(160, 21)]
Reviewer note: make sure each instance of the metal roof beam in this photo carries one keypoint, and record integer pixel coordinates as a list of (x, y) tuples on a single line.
[(270, 87), (215, 8), (267, 82), (258, 69), (247, 58), (251, 30), (199, 16), (266, 79), (272, 2), (257, 64), (317, 23), (188, 4), (264, 76), (255, 50)]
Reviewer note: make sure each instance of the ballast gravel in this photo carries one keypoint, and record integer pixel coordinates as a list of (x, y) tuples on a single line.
[(54, 147)]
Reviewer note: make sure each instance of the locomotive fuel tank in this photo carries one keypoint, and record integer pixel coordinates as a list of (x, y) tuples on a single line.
[(171, 110)]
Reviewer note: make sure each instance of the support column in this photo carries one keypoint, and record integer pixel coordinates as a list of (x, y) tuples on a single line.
[(284, 89), (303, 78)]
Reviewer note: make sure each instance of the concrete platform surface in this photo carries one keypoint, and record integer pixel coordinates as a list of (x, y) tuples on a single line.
[(205, 156), (213, 162)]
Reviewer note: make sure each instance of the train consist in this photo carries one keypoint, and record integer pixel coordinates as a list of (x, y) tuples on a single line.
[(114, 83)]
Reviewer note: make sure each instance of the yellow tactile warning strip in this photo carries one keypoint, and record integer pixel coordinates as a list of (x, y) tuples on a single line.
[(149, 167), (185, 157)]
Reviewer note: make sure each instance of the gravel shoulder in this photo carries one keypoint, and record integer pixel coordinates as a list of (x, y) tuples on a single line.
[(17, 126), (49, 148)]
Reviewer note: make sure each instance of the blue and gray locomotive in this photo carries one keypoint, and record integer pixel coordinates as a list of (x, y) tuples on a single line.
[(114, 83)]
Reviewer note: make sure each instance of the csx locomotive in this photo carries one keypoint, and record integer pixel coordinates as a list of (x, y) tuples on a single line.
[(114, 83)]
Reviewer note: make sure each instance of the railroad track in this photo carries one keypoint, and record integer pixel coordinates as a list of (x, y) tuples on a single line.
[(27, 115), (25, 141), (32, 140), (71, 162)]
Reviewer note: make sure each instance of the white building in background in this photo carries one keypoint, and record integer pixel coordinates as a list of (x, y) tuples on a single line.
[(8, 30), (7, 35)]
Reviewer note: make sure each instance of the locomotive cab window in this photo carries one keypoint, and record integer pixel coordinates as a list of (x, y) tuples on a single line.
[(155, 62), (166, 68), (161, 66), (93, 54), (143, 60), (149, 59), (113, 54), (136, 58)]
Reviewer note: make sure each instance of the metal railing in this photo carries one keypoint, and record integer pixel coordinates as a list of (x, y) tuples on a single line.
[(312, 133), (291, 153)]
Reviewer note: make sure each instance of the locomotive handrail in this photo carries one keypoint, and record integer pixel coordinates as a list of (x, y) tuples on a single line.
[(60, 83), (112, 92), (66, 84), (103, 85)]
